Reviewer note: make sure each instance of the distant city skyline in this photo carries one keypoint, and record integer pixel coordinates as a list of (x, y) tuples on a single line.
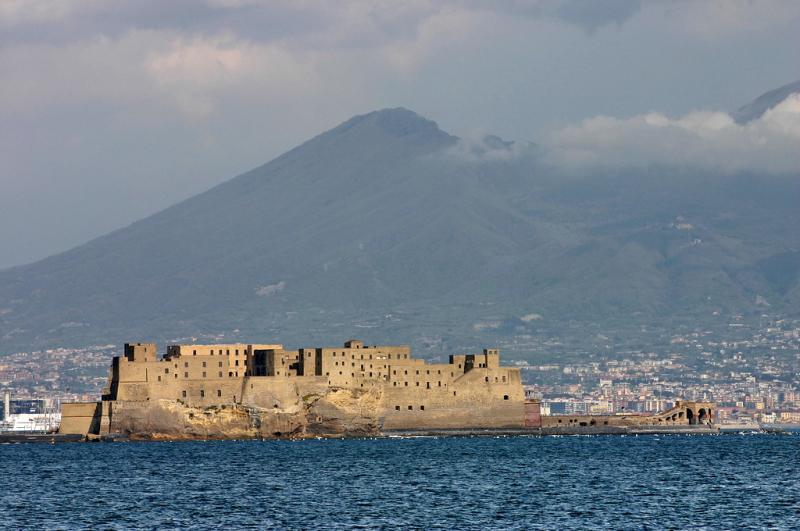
[(109, 114)]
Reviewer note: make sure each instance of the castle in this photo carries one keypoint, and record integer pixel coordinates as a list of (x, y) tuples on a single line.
[(264, 390), (350, 388)]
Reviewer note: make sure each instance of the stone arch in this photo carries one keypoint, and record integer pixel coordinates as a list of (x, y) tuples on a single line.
[(690, 416), (702, 415)]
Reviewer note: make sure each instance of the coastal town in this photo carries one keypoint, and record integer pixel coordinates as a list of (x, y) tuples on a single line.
[(753, 376)]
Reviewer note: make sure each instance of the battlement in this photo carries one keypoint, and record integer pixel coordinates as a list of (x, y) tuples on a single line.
[(204, 374), (140, 352)]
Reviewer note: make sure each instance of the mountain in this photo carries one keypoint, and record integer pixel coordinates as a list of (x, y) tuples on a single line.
[(388, 228), (756, 108)]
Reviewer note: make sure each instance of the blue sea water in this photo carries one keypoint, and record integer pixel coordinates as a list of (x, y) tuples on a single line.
[(601, 482)]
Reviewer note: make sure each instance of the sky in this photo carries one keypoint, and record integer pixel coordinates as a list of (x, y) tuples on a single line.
[(111, 111)]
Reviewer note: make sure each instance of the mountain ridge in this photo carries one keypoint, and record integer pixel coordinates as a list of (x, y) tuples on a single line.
[(380, 223)]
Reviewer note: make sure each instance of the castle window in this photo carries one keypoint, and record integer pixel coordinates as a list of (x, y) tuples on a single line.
[(228, 352), (220, 374), (395, 384), (428, 385), (487, 378), (440, 384), (417, 384), (159, 378), (186, 375), (406, 384), (406, 372), (202, 394), (185, 363), (220, 364), (236, 352), (454, 393), (183, 393), (219, 392), (394, 372), (427, 372), (194, 353), (340, 373), (397, 408), (410, 408), (237, 363), (505, 397), (204, 374), (417, 372), (422, 408), (166, 371), (504, 379), (204, 364)]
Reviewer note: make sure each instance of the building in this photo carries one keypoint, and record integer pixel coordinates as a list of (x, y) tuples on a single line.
[(308, 390)]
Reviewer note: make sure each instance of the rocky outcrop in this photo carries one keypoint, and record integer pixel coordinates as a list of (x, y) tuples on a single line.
[(333, 413)]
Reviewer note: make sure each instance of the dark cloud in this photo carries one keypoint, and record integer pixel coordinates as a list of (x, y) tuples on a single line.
[(594, 15)]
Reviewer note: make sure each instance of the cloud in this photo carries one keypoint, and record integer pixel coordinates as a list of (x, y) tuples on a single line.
[(594, 15), (716, 19), (479, 146), (195, 73), (271, 289), (701, 139)]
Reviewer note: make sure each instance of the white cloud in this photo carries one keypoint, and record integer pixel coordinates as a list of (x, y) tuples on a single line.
[(271, 289), (701, 139), (194, 73), (479, 145)]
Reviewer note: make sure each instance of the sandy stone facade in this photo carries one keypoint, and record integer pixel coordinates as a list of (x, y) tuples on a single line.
[(257, 390)]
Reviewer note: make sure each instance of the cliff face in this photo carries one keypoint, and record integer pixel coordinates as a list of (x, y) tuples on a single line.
[(336, 412)]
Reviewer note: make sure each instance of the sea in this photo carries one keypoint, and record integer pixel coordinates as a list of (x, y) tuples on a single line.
[(732, 481)]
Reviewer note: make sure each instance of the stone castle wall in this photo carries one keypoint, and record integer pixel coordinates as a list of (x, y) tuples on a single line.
[(202, 390)]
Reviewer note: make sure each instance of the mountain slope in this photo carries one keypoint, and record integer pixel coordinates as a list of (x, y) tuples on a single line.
[(386, 223), (756, 108)]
